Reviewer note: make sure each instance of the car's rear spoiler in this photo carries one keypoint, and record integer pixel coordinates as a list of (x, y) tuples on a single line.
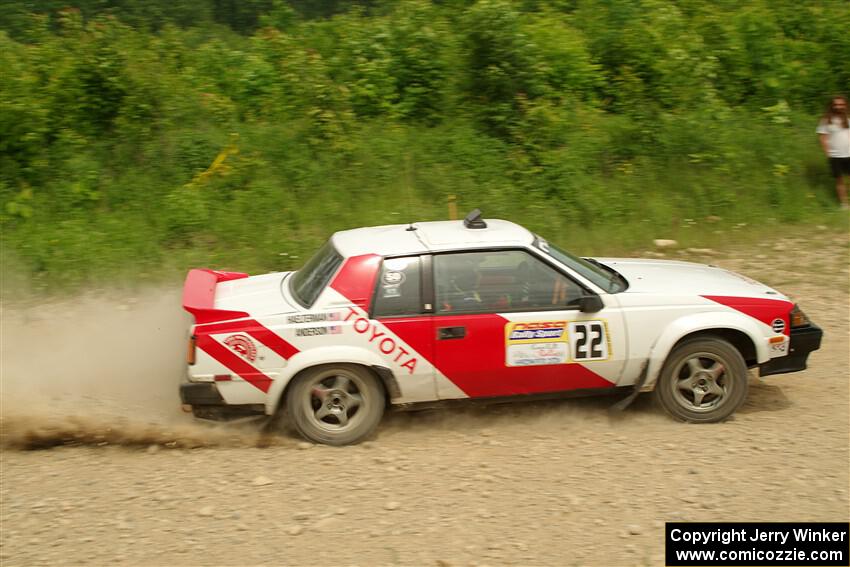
[(199, 295)]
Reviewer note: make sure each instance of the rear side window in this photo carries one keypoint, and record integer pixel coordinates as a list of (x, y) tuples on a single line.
[(399, 288), (310, 280)]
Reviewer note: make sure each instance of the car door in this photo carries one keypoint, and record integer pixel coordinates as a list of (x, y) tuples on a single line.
[(508, 323), (402, 320)]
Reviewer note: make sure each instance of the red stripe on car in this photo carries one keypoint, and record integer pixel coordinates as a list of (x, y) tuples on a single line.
[(272, 340), (764, 310), (257, 330), (476, 363), (356, 280), (234, 362)]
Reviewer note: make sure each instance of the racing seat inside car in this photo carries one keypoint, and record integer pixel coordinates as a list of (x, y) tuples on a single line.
[(460, 293)]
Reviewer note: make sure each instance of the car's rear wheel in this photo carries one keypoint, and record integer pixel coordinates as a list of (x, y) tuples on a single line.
[(335, 404), (703, 380)]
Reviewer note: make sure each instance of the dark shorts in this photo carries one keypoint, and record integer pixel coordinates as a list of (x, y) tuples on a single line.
[(840, 166)]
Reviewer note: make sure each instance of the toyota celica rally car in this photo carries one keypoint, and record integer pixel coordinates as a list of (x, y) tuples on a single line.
[(409, 315)]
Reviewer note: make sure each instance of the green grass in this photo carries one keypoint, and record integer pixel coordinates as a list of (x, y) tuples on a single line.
[(288, 208), (279, 200)]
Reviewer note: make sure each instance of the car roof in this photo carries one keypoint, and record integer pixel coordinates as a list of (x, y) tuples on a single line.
[(393, 240)]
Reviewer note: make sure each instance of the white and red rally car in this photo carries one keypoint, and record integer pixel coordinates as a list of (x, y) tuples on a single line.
[(410, 315)]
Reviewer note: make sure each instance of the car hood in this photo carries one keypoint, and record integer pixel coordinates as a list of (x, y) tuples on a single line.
[(258, 295), (672, 277)]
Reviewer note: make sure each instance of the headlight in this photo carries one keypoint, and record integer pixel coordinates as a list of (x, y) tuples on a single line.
[(798, 318)]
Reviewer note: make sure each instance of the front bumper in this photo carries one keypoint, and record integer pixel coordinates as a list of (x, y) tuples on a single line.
[(804, 340), (207, 403)]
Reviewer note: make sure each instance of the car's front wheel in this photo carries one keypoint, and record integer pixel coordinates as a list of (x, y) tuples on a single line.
[(703, 380), (335, 404)]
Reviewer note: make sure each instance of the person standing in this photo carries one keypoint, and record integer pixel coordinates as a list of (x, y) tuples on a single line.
[(834, 133)]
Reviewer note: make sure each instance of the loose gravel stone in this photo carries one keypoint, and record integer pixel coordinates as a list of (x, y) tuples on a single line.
[(327, 524), (262, 481)]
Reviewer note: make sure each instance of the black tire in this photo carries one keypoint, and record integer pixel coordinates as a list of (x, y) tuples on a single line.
[(335, 404), (703, 380)]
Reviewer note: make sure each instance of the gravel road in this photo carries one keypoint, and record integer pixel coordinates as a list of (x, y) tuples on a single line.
[(133, 482)]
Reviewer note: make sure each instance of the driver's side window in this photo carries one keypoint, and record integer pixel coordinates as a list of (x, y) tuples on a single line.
[(500, 280)]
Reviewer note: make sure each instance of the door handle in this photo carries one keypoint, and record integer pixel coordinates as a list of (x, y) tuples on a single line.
[(451, 333)]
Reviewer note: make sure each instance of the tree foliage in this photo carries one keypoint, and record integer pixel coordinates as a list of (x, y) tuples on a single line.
[(567, 113)]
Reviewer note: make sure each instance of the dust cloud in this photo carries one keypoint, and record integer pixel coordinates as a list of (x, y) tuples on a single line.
[(101, 369)]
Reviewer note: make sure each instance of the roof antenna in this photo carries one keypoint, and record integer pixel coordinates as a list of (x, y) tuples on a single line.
[(407, 184)]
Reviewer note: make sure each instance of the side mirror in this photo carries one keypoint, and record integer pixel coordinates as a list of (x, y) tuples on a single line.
[(590, 304)]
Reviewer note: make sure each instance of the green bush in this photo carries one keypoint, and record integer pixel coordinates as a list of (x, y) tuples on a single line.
[(140, 139)]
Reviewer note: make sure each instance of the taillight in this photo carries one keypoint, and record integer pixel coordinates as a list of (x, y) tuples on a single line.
[(190, 352), (798, 318)]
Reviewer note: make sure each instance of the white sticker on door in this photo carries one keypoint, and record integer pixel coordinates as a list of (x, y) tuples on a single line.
[(589, 341)]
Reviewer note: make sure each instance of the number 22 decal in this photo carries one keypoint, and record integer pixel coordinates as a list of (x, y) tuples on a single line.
[(589, 340)]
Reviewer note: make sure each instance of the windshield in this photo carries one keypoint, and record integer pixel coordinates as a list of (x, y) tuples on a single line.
[(607, 278), (311, 279)]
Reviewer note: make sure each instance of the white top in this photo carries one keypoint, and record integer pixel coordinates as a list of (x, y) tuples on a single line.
[(429, 236), (838, 138)]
